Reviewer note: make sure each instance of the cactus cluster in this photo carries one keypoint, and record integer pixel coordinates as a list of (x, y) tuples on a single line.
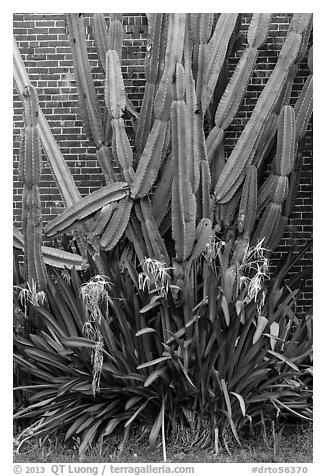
[(173, 188)]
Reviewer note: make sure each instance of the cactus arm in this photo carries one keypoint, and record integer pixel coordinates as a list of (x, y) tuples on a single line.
[(183, 198), (63, 259), (135, 235), (268, 223), (265, 140), (86, 207), (203, 236), (162, 194), (258, 29), (103, 218), (248, 203), (60, 171), (117, 225), (266, 192), (294, 182), (303, 108), (254, 128), (105, 159), (91, 111), (227, 211), (216, 50), (115, 35), (150, 161), (201, 25), (18, 239), (146, 117), (58, 165), (191, 103), (31, 171), (203, 193), (121, 149), (310, 59), (234, 91), (114, 92), (286, 144), (100, 37), (115, 100), (153, 65), (173, 55), (281, 191), (200, 30), (300, 22), (152, 234)]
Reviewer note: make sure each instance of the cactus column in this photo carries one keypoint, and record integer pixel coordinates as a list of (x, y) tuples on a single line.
[(30, 171)]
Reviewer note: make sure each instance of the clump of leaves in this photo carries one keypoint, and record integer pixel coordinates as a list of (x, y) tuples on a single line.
[(120, 350)]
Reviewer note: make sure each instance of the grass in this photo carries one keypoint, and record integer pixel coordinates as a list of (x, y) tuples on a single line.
[(294, 445)]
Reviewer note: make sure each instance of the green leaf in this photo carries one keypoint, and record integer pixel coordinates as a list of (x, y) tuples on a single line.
[(153, 362), (48, 358), (140, 409), (153, 376), (229, 410), (261, 324), (110, 427), (151, 305), (156, 429), (225, 309), (241, 401), (75, 426), (132, 402), (145, 330), (284, 359), (89, 437), (78, 342)]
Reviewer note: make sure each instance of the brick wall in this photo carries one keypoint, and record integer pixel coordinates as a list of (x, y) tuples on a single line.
[(43, 42)]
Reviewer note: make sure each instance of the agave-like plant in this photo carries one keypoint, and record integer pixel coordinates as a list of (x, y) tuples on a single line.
[(227, 366)]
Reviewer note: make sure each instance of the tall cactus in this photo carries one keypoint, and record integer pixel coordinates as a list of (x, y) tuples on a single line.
[(175, 175), (30, 171), (183, 198)]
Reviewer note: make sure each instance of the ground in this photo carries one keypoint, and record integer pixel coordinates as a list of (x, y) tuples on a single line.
[(294, 446)]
